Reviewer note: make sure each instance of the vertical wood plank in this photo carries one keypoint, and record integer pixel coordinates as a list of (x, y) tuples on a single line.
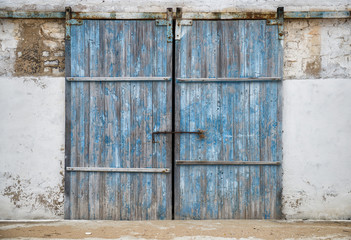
[(68, 96)]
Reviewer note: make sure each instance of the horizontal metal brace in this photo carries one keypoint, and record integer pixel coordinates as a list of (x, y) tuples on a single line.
[(163, 15), (272, 22), (118, 79), (123, 170), (75, 22), (162, 22), (200, 132), (189, 162), (179, 24), (120, 15), (211, 80), (313, 14), (228, 15)]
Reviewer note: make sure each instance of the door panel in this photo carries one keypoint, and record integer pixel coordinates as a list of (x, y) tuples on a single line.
[(219, 65), (110, 123)]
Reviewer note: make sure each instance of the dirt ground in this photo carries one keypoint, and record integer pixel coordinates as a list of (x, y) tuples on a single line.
[(178, 230)]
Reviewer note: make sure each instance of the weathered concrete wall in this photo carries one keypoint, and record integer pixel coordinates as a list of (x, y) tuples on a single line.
[(318, 48), (161, 5), (317, 116), (317, 149)]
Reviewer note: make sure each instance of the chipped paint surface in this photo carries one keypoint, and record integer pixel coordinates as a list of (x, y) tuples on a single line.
[(317, 49), (161, 5), (31, 147), (317, 149)]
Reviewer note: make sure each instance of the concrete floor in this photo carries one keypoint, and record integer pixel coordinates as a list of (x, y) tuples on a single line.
[(178, 230)]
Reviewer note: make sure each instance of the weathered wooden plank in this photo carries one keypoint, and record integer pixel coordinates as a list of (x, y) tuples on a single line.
[(146, 198), (81, 181), (126, 123), (184, 54), (110, 128), (83, 93), (239, 163), (230, 57), (257, 60), (115, 65), (97, 119), (210, 99), (68, 105), (135, 151), (269, 124)]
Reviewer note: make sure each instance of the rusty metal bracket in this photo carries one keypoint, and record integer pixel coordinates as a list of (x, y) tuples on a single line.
[(75, 22), (68, 11), (280, 20), (200, 132), (167, 22), (272, 22), (179, 23)]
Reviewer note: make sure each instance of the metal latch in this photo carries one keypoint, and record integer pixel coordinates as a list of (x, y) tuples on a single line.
[(200, 132)]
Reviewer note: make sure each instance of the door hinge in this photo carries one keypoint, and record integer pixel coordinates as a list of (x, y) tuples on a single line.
[(278, 21), (68, 11), (167, 22)]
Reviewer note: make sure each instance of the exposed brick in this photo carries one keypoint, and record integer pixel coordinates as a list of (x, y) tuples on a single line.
[(59, 54), (317, 48), (45, 54), (51, 63), (56, 71)]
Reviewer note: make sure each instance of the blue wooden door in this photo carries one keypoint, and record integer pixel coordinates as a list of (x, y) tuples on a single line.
[(117, 94), (228, 85)]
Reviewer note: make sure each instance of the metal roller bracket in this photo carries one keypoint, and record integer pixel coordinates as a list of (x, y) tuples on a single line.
[(179, 24), (167, 22)]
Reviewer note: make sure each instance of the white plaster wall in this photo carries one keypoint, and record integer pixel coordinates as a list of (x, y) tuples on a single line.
[(31, 147), (317, 149), (161, 5)]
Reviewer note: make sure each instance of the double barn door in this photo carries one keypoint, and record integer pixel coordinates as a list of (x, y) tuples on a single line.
[(130, 85)]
